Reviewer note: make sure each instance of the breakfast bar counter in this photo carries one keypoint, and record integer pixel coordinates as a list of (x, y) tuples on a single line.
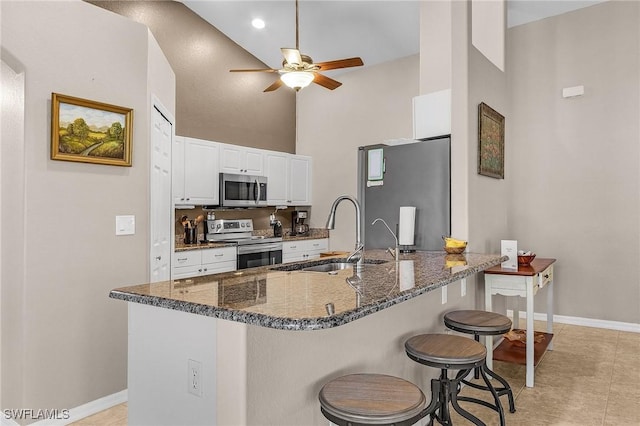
[(288, 298), (255, 346)]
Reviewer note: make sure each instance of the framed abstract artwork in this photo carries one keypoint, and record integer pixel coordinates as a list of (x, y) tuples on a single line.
[(490, 142)]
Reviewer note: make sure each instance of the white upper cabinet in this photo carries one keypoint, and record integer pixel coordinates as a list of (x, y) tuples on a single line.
[(197, 164), (289, 179), (300, 180), (195, 169), (241, 160), (277, 178)]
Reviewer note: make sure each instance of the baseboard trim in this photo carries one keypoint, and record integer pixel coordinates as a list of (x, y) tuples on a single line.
[(584, 322), (84, 410)]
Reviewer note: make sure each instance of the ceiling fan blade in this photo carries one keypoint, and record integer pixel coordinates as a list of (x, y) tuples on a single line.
[(276, 84), (255, 70), (340, 63), (325, 81), (292, 56)]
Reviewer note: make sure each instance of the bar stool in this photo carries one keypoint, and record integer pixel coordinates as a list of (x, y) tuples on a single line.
[(371, 399), (447, 351), (482, 323)]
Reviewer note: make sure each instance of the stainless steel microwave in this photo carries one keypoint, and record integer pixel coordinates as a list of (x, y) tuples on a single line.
[(242, 190)]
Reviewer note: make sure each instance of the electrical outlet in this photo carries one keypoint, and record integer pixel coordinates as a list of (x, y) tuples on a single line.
[(194, 378), (463, 287), (444, 294)]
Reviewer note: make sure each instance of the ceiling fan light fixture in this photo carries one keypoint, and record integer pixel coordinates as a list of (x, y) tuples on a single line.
[(297, 79), (258, 23)]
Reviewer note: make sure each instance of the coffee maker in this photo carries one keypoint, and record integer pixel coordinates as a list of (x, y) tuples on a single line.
[(298, 227)]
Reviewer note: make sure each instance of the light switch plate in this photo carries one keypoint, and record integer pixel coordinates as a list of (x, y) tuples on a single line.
[(125, 225)]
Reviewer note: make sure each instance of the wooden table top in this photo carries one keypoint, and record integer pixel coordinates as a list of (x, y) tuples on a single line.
[(537, 265)]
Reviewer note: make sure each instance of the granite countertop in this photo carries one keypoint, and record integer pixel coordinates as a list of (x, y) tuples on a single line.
[(314, 234), (200, 246), (292, 299)]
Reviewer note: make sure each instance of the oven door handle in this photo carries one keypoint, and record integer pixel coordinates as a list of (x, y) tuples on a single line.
[(259, 248)]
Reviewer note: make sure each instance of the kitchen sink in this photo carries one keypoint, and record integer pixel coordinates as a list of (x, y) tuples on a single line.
[(329, 267)]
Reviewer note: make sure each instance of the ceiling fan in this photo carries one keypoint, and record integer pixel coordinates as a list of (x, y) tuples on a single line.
[(298, 70)]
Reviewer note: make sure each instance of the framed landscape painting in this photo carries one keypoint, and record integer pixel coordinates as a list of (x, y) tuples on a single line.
[(90, 132), (490, 142)]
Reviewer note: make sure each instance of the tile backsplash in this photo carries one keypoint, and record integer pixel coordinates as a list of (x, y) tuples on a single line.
[(260, 218)]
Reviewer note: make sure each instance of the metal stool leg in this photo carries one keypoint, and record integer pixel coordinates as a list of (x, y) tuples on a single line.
[(504, 390), (454, 401)]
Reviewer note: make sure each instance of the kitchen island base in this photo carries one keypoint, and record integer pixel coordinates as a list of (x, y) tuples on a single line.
[(252, 375)]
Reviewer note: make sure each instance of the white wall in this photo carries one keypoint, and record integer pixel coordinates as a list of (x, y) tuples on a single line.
[(372, 105), (12, 179), (573, 164), (73, 337)]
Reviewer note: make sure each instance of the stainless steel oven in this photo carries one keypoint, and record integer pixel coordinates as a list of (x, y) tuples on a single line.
[(253, 251), (242, 190), (257, 253)]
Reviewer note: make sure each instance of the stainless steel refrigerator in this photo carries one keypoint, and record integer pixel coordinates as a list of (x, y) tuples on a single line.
[(411, 174)]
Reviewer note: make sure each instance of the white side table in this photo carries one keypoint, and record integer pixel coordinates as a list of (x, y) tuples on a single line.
[(523, 282)]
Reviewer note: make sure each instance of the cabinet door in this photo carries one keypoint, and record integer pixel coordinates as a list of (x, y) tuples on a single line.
[(315, 247), (178, 273), (241, 160), (278, 179), (254, 162), (177, 166), (231, 159), (201, 172), (300, 180), (293, 251)]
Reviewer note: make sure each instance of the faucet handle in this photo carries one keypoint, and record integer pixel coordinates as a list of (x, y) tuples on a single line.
[(356, 256)]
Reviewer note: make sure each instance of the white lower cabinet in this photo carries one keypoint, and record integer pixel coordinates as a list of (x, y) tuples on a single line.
[(193, 263), (295, 251)]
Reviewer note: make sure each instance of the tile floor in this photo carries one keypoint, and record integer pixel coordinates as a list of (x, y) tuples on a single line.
[(592, 377)]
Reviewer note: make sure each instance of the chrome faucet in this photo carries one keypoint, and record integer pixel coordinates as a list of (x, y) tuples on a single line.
[(357, 256), (393, 252)]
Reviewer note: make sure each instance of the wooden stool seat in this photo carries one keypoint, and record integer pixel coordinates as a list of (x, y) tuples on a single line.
[(371, 399), (477, 322), (445, 351)]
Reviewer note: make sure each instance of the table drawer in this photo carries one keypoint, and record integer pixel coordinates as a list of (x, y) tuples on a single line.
[(546, 276)]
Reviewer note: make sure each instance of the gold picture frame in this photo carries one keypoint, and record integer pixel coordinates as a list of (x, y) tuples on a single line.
[(90, 132), (490, 142)]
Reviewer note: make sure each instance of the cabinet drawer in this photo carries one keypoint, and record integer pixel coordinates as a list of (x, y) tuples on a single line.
[(218, 267), (293, 247), (318, 246), (187, 258), (225, 254)]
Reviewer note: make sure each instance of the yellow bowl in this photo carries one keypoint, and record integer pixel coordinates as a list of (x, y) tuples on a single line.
[(455, 250)]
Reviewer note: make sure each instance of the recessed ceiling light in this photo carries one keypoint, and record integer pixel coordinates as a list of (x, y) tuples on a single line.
[(258, 23)]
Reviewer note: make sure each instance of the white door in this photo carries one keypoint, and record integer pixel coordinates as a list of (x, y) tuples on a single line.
[(160, 206)]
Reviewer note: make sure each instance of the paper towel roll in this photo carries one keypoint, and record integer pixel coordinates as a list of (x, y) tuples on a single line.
[(405, 269), (407, 226)]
